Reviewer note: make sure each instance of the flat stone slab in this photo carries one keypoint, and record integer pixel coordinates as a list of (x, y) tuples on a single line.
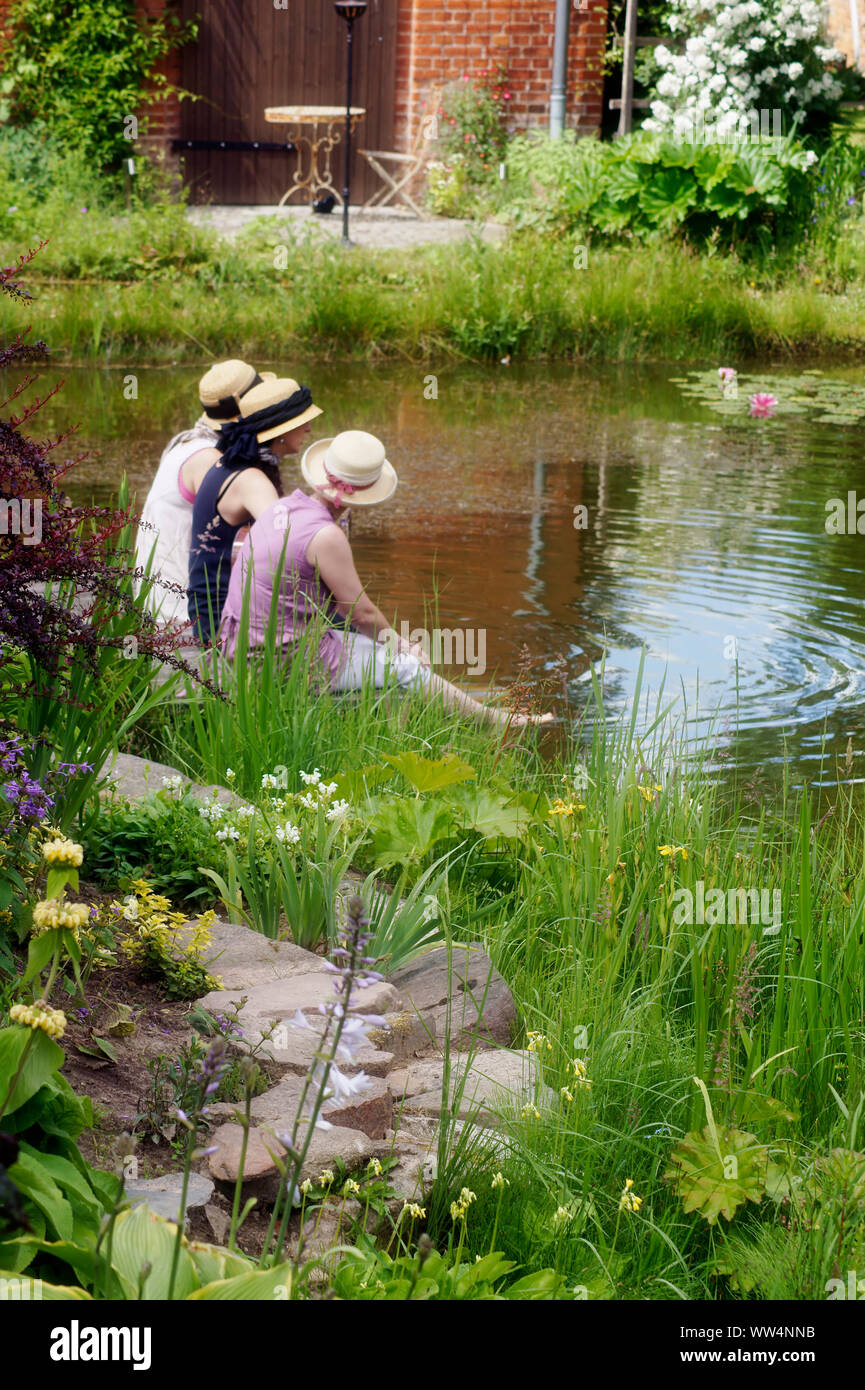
[(277, 1001), (162, 1195), (260, 1176), (370, 1111), (482, 1006), (490, 1085), (242, 957), (134, 778)]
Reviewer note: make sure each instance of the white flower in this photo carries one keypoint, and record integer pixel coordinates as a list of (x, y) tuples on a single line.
[(229, 833), (288, 834), (337, 810), (269, 780), (311, 778), (130, 909), (309, 801), (229, 774), (245, 812), (173, 783)]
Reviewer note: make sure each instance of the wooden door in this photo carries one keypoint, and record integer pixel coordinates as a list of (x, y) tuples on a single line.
[(250, 55)]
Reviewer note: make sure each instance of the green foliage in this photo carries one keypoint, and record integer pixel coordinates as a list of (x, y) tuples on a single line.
[(82, 67), (61, 1197), (368, 1274), (167, 947), (752, 194), (161, 837), (714, 1172)]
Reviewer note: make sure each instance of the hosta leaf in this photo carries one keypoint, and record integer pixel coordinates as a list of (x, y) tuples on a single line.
[(716, 1181)]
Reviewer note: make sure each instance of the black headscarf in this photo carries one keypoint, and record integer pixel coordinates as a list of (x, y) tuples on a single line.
[(237, 440)]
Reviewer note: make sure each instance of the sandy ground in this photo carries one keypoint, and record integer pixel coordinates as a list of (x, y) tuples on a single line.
[(386, 228)]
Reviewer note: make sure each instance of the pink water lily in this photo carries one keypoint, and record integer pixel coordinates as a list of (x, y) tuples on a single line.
[(727, 374), (763, 404)]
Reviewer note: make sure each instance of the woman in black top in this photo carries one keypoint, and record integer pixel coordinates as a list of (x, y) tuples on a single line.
[(238, 489)]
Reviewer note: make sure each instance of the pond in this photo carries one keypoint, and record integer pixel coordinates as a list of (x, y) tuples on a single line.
[(704, 541)]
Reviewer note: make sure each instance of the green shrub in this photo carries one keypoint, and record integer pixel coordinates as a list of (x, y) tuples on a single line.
[(84, 67)]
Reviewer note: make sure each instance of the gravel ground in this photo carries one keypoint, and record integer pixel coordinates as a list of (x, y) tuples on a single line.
[(386, 228)]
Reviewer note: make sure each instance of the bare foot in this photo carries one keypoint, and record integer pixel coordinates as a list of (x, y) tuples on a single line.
[(519, 721)]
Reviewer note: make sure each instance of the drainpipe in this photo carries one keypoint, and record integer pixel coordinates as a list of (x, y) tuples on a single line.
[(854, 30), (559, 90)]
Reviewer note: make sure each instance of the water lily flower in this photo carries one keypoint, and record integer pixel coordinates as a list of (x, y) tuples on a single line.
[(763, 405)]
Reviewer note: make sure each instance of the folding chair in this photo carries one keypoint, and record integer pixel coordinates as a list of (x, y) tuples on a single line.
[(408, 165)]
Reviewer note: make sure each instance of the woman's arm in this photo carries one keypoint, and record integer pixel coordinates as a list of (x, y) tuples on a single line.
[(329, 551), (250, 495)]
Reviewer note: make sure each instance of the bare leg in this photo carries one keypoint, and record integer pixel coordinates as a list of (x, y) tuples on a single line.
[(458, 699)]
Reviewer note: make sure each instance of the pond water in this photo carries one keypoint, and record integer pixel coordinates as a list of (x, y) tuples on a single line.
[(704, 542)]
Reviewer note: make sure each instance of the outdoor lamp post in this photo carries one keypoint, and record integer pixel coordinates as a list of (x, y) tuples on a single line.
[(349, 10)]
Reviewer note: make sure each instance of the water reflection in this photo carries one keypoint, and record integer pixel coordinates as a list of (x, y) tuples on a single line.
[(705, 541)]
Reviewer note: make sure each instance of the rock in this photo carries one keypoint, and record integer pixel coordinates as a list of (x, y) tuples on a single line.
[(260, 1176), (219, 1222), (242, 957), (134, 778), (489, 1084), (405, 1034), (162, 1195), (477, 989), (371, 1112)]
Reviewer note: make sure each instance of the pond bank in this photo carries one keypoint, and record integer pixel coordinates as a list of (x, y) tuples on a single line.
[(520, 299)]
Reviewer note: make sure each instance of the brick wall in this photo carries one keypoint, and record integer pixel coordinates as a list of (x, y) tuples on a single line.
[(439, 40), (839, 26)]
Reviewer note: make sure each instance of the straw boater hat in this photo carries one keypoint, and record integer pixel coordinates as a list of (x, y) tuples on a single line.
[(350, 469), (281, 404), (221, 389)]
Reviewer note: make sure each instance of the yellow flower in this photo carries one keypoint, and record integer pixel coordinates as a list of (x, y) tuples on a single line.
[(53, 914), (63, 852), (374, 1167), (539, 1041), (671, 851), (415, 1212), (306, 1187), (325, 1178), (530, 1112), (51, 1021), (351, 1189), (629, 1201), (648, 792), (499, 1181), (566, 1094), (560, 808)]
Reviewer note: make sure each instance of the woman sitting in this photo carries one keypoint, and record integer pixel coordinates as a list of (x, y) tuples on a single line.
[(165, 527), (240, 487), (300, 539)]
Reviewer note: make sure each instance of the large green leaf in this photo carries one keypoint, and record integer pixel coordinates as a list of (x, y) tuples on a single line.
[(493, 817), (34, 1181), (668, 196), (143, 1238), (269, 1284), (43, 1059), (428, 774), (717, 1178), (44, 1292), (213, 1263), (404, 830), (72, 1183)]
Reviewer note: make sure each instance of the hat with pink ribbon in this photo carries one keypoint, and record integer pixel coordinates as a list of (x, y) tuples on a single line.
[(351, 469)]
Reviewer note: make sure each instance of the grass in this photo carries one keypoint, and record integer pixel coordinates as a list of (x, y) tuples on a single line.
[(581, 915), (151, 288)]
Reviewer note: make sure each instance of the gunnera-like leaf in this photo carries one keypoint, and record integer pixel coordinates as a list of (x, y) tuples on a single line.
[(717, 1179)]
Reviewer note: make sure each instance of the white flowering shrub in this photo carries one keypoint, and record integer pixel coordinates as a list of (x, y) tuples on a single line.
[(739, 60)]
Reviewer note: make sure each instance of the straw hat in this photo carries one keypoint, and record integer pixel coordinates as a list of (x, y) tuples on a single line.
[(220, 390), (280, 396), (350, 468)]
